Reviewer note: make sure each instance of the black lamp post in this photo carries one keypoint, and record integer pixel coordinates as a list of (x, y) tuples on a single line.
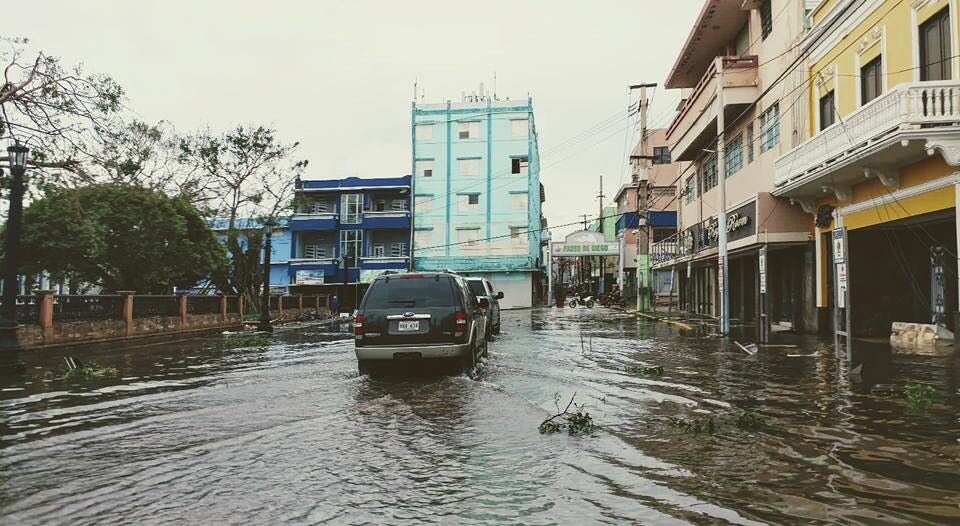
[(8, 318), (265, 324)]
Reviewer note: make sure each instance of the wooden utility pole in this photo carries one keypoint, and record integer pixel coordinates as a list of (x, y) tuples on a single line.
[(642, 180)]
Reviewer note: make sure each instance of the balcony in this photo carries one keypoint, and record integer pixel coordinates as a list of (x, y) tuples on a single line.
[(321, 221), (695, 126), (386, 219), (896, 128)]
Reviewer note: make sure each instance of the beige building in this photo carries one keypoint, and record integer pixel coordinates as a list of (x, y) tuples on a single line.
[(652, 189), (741, 91)]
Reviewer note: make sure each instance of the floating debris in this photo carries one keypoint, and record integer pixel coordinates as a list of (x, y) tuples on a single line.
[(920, 396), (884, 390), (750, 349), (577, 422), (656, 370)]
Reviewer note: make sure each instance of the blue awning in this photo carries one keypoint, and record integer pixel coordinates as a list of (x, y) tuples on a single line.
[(659, 219)]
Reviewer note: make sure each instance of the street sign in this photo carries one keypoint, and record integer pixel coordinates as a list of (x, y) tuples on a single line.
[(841, 285), (838, 255), (762, 260)]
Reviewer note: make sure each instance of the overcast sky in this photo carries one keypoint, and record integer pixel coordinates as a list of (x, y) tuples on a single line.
[(338, 76)]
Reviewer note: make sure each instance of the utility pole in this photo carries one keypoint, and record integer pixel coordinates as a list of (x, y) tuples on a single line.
[(600, 197), (642, 181), (722, 209)]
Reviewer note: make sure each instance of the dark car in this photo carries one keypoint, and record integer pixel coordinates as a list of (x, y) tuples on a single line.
[(482, 288), (420, 316)]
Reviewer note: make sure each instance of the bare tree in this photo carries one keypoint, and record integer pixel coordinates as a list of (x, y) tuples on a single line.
[(58, 111), (253, 172)]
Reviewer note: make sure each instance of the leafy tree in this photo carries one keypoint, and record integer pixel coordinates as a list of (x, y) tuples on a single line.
[(253, 173), (120, 237)]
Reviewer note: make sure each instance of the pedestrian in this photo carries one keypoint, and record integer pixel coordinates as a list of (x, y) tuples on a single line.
[(334, 306)]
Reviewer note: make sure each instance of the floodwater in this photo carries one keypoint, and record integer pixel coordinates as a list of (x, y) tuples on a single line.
[(196, 432)]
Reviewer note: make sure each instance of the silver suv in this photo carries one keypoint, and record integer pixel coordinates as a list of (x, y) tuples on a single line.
[(483, 289)]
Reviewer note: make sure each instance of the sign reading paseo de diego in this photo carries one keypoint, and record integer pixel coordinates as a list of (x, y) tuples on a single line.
[(585, 243)]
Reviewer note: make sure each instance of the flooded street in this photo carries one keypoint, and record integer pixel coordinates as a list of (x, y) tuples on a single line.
[(291, 433)]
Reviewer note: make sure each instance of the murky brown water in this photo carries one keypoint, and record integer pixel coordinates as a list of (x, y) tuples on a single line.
[(292, 434)]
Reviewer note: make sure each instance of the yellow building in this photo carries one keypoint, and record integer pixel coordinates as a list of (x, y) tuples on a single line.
[(877, 170)]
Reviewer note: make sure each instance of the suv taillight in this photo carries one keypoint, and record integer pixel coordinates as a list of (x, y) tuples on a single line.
[(358, 325), (460, 323)]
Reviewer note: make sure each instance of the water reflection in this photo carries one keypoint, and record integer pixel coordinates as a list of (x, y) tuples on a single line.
[(200, 431)]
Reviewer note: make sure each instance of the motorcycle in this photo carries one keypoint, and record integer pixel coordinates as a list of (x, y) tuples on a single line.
[(581, 300), (613, 298)]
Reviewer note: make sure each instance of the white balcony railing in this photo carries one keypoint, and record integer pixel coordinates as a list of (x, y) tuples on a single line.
[(906, 107)]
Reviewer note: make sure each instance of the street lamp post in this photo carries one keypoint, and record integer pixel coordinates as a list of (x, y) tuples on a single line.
[(8, 323), (265, 324)]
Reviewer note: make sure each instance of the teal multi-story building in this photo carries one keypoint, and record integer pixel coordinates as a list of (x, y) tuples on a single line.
[(477, 193)]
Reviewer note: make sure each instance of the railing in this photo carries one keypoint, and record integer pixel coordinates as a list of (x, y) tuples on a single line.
[(203, 304), (28, 310), (907, 106), (151, 306), (746, 62), (666, 250), (79, 308)]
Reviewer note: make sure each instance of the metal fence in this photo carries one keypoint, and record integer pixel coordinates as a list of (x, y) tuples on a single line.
[(201, 304), (28, 310), (79, 308), (147, 306)]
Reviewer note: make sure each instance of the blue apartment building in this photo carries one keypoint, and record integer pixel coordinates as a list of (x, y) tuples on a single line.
[(279, 246), (346, 232), (477, 193)]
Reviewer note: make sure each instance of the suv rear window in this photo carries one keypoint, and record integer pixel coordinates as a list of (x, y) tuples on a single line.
[(406, 293), (476, 286)]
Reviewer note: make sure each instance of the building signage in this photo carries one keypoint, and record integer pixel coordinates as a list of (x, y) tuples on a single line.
[(367, 276), (310, 277), (741, 223), (762, 260), (585, 243), (838, 256), (841, 285)]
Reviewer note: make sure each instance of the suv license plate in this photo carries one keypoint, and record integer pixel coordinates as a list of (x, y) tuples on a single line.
[(406, 325)]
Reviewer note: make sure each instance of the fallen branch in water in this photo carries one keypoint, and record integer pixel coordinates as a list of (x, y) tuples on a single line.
[(575, 422)]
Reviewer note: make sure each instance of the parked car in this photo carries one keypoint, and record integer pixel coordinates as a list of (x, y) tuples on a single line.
[(482, 288), (420, 316)]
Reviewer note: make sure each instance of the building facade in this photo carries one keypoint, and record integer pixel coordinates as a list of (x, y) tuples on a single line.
[(877, 173), (741, 77), (477, 193), (345, 232), (280, 243), (651, 193)]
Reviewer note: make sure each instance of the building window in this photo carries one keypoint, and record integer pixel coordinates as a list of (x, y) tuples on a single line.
[(733, 157), (398, 205), (750, 142), (423, 238), (518, 201), (766, 19), (469, 130), (661, 155), (519, 127), (469, 202), (518, 165), (871, 81), (517, 231), (350, 243), (424, 132), (468, 236), (935, 47), (468, 167), (709, 173), (313, 251), (350, 208), (828, 111), (378, 250), (423, 203), (379, 205), (691, 188), (425, 168), (317, 207), (770, 128), (398, 249)]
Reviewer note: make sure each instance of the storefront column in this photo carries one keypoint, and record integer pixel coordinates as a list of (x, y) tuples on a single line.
[(956, 227)]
